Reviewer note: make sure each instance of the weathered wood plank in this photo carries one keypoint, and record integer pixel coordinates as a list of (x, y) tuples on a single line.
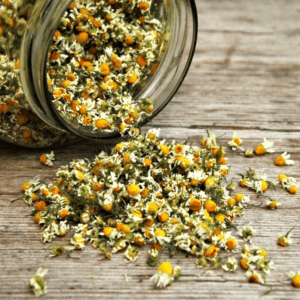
[(245, 77)]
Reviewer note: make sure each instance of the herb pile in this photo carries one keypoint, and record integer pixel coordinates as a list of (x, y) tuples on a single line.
[(18, 123), (103, 53), (171, 196)]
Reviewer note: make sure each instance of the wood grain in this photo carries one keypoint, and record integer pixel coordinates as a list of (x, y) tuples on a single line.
[(244, 77)]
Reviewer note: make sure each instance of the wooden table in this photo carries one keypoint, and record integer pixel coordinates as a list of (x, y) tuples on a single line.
[(244, 77)]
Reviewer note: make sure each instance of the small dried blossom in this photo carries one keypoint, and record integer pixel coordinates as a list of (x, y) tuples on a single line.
[(37, 284), (47, 159), (132, 253), (295, 277), (265, 147), (201, 262), (283, 160), (235, 143), (288, 183), (165, 274), (254, 277), (231, 265), (247, 233), (285, 240), (249, 153)]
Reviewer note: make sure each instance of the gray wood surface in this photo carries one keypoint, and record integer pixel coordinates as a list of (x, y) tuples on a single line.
[(244, 77)]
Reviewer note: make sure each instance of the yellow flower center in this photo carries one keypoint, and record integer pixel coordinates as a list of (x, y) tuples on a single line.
[(153, 207), (220, 218), (282, 242), (260, 150), (281, 177), (243, 183), (160, 232), (195, 205), (165, 267), (211, 206), (165, 149), (253, 278), (178, 149), (231, 243), (107, 231), (280, 161), (239, 197), (244, 263), (231, 202), (264, 185), (293, 190), (296, 281), (133, 190), (211, 252), (164, 217)]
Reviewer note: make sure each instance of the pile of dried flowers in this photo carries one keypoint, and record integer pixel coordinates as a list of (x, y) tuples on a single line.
[(169, 195), (17, 121), (103, 52)]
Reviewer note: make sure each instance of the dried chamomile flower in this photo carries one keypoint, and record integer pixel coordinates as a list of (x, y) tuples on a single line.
[(273, 203), (288, 183), (231, 243), (283, 160), (153, 257), (235, 143), (247, 233), (265, 265), (209, 141), (249, 153), (231, 265), (258, 183), (165, 274), (295, 278), (201, 262), (254, 277), (37, 284), (58, 250), (47, 159), (285, 240), (254, 257), (132, 253), (263, 148), (231, 186)]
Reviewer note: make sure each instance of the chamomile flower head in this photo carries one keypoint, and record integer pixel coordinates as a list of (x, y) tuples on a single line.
[(254, 277), (165, 274), (235, 142), (209, 141), (265, 147), (231, 265), (283, 160), (249, 153), (37, 284), (285, 240), (201, 262), (295, 277), (132, 253), (272, 203), (247, 233), (47, 159), (231, 186), (231, 243)]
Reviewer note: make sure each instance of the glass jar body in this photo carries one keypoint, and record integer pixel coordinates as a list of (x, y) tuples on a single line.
[(180, 19)]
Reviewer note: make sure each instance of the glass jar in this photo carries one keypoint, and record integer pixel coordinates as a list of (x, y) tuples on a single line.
[(180, 35)]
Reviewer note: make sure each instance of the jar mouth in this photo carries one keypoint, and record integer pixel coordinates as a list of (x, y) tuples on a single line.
[(45, 19)]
